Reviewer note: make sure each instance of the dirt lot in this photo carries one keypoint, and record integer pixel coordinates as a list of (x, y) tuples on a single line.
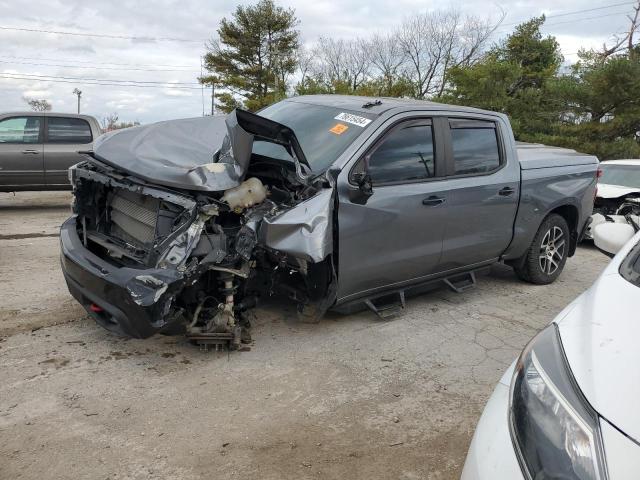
[(351, 397)]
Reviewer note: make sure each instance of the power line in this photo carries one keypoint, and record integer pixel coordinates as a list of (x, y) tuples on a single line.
[(82, 79), (102, 35), (93, 67), (575, 12), (583, 19), (101, 63), (106, 83)]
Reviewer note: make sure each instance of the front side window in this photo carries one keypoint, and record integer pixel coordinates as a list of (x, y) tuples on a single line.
[(475, 147), (68, 130), (406, 154), (20, 130)]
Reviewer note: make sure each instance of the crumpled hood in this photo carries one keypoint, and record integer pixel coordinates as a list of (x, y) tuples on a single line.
[(615, 191), (600, 335), (171, 153), (184, 153)]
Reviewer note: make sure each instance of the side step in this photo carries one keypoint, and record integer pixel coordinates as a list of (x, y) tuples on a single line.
[(385, 311), (460, 283)]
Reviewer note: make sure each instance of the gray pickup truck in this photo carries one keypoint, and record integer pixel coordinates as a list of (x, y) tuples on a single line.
[(337, 202), (37, 149)]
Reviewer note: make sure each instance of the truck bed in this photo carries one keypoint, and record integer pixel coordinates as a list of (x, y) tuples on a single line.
[(536, 155)]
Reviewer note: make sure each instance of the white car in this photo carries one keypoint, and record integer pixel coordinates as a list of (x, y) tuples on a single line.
[(618, 193), (568, 407)]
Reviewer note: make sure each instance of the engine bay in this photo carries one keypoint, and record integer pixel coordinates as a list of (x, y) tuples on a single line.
[(226, 250)]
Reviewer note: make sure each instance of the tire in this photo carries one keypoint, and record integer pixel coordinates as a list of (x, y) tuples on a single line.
[(309, 313), (548, 252)]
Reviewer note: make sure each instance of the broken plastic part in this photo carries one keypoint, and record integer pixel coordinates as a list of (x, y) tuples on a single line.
[(249, 193)]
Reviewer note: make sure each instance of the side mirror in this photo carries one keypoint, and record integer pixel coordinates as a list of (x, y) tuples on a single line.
[(611, 237), (364, 182)]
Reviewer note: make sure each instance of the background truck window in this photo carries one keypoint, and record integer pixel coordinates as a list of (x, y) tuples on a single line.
[(20, 130), (68, 130)]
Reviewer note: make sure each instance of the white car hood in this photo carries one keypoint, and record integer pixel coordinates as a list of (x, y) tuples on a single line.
[(614, 191), (600, 335)]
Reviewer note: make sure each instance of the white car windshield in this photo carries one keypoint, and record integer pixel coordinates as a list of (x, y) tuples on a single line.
[(622, 175)]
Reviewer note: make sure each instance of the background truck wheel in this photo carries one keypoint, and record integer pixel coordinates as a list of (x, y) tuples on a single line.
[(548, 252)]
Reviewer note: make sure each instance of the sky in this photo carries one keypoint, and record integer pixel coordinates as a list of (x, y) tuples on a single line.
[(163, 60)]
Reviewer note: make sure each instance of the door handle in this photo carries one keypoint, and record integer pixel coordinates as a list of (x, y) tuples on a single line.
[(32, 152), (506, 191), (432, 201)]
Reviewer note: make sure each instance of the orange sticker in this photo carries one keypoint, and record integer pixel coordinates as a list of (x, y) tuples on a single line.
[(338, 128)]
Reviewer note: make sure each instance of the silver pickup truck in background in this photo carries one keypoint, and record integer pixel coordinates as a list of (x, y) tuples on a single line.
[(334, 201), (37, 148)]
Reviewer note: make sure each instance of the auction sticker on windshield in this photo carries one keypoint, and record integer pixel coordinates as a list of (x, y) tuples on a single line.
[(338, 129), (353, 119)]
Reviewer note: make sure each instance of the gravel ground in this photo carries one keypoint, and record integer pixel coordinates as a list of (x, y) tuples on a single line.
[(351, 397)]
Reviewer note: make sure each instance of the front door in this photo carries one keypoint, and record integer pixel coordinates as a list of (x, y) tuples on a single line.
[(394, 236), (21, 158)]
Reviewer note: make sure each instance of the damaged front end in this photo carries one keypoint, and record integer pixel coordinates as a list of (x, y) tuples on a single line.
[(624, 209), (143, 255)]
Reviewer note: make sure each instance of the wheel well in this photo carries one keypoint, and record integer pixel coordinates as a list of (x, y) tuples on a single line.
[(570, 214)]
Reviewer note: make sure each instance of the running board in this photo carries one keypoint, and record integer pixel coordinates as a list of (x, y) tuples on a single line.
[(460, 283), (388, 310)]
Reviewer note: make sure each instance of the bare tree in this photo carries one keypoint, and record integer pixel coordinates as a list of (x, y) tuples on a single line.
[(305, 59), (420, 53), (434, 42), (38, 105), (386, 56), (624, 41), (109, 122), (340, 61)]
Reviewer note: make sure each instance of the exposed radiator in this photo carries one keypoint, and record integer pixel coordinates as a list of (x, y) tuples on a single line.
[(134, 217)]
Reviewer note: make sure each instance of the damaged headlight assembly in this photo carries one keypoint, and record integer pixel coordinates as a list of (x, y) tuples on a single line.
[(555, 431)]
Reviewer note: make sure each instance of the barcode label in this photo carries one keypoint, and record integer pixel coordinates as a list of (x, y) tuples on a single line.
[(353, 119)]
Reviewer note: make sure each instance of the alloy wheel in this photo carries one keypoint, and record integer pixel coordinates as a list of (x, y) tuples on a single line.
[(552, 250)]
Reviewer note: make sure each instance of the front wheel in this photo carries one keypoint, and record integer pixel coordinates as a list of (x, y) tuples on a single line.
[(548, 252)]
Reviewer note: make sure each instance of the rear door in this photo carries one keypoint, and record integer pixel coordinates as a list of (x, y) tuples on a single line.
[(394, 236), (21, 160), (483, 189), (64, 138)]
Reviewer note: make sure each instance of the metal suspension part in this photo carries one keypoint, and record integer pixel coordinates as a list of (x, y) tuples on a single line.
[(221, 329)]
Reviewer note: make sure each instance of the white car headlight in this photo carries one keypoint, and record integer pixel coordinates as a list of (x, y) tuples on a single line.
[(554, 429)]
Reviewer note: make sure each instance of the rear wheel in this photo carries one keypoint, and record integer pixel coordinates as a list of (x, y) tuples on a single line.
[(548, 252)]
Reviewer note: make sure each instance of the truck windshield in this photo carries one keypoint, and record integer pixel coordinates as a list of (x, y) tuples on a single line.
[(323, 132), (623, 175)]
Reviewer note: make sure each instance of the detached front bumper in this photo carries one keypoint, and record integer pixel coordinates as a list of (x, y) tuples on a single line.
[(127, 301), (491, 454)]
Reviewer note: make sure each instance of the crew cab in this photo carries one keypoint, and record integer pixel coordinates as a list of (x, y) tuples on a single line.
[(37, 148), (335, 201)]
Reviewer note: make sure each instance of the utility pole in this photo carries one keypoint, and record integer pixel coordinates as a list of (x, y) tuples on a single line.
[(79, 94)]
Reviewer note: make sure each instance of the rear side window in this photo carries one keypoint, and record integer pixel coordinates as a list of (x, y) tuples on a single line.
[(68, 130), (475, 147), (20, 130), (406, 154)]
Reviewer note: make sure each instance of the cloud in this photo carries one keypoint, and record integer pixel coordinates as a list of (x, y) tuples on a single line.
[(121, 59), (37, 93)]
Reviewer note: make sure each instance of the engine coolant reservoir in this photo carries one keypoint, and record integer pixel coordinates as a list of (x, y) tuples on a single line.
[(248, 193)]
